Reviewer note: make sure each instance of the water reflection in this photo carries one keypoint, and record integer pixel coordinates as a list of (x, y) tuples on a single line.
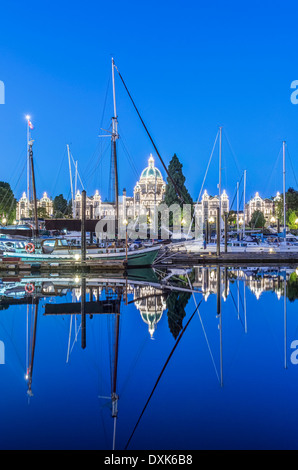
[(81, 303)]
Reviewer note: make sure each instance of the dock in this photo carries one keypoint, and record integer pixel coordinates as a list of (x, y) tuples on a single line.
[(64, 266), (188, 259)]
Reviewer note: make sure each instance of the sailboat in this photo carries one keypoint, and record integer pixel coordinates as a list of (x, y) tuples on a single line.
[(59, 250)]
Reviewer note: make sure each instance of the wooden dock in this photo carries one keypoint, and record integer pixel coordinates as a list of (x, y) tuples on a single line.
[(229, 259), (64, 266)]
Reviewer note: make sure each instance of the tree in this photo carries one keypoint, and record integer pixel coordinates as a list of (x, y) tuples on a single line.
[(8, 203), (171, 196), (176, 304), (291, 219), (257, 219), (291, 203), (232, 217), (60, 207)]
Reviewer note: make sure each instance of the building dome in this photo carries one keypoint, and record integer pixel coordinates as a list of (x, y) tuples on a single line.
[(151, 171)]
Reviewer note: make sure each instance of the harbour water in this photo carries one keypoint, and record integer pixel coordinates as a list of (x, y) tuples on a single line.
[(150, 362)]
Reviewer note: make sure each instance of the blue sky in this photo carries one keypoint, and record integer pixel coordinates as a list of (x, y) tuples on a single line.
[(190, 67)]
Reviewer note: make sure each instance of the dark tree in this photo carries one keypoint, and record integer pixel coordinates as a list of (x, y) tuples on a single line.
[(171, 196), (60, 206), (8, 203), (257, 220), (174, 197)]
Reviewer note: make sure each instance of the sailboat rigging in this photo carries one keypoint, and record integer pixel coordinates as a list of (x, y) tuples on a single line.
[(161, 373), (151, 139)]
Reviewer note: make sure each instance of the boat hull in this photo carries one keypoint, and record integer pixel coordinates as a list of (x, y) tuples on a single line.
[(141, 257)]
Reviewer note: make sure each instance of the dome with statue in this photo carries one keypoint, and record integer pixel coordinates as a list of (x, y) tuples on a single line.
[(151, 171), (149, 190)]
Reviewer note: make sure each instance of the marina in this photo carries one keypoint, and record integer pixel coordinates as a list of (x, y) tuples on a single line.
[(148, 228)]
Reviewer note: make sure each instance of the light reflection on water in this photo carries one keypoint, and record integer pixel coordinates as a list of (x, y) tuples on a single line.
[(203, 359)]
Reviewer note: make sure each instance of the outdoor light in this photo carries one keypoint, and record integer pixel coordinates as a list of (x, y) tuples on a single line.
[(77, 257), (27, 117), (125, 222), (272, 219), (211, 220), (4, 220), (76, 279), (183, 221), (296, 221)]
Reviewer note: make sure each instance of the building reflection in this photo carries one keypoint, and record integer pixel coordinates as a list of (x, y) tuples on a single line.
[(150, 301), (257, 280), (151, 304)]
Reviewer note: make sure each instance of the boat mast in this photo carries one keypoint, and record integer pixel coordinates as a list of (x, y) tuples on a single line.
[(219, 178), (30, 368), (115, 136), (244, 191), (70, 176), (28, 161), (284, 185), (33, 185), (114, 395), (237, 209)]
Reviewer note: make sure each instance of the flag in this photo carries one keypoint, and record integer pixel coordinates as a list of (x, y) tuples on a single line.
[(30, 124)]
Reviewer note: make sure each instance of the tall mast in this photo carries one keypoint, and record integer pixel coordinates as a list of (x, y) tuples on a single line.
[(70, 176), (244, 195), (237, 209), (28, 161), (114, 150), (30, 368), (219, 177), (33, 185), (284, 185)]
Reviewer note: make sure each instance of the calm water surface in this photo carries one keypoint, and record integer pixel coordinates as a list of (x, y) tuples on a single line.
[(228, 379)]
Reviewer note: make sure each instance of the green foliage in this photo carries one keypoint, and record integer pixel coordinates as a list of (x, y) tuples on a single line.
[(171, 196), (60, 207), (292, 287), (291, 204), (176, 304), (257, 219), (8, 203), (291, 219), (232, 218), (42, 213)]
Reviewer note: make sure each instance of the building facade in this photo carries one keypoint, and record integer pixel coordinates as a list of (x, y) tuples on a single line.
[(206, 210), (148, 192), (25, 208), (267, 206)]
